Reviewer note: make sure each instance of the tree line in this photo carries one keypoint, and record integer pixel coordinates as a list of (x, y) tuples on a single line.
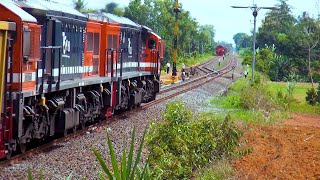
[(286, 45), (158, 15)]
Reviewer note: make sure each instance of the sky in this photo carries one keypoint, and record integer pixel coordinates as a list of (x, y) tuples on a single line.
[(226, 20)]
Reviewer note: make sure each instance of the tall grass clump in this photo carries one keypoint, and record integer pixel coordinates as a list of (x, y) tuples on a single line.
[(254, 102), (183, 142)]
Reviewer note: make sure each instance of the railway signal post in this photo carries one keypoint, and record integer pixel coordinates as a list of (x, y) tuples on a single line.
[(175, 41), (255, 9)]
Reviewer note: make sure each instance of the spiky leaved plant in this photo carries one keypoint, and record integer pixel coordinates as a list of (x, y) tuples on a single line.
[(127, 169)]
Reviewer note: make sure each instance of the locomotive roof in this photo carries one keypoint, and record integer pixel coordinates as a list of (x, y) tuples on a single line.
[(145, 28), (49, 7), (107, 17), (120, 20), (96, 16), (18, 11)]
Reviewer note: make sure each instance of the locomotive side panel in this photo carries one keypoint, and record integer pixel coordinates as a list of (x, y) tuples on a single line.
[(92, 48), (129, 41), (110, 49), (6, 29)]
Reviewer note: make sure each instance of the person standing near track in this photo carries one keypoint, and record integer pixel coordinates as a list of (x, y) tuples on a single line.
[(245, 74), (168, 67), (183, 66)]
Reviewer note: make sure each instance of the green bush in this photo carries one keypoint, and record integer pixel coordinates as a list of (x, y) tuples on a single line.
[(312, 96), (257, 98), (183, 142), (318, 93)]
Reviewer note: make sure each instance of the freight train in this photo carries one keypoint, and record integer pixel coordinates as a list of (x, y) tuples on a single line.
[(62, 69)]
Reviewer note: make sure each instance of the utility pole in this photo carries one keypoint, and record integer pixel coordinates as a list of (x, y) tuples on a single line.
[(175, 41), (255, 9)]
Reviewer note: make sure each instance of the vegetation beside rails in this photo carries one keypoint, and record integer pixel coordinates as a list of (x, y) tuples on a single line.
[(179, 147), (299, 103), (183, 143), (255, 103)]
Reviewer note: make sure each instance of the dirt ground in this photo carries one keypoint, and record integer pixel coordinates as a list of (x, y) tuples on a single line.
[(290, 150)]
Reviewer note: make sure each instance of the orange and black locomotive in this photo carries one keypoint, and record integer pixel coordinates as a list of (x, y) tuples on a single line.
[(61, 69)]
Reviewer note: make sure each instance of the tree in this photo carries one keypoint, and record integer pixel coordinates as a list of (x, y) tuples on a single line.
[(113, 8), (140, 12), (206, 35), (159, 16), (309, 38), (276, 28), (242, 40), (79, 4)]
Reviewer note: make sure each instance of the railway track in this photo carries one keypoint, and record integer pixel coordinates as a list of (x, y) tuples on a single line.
[(177, 90), (202, 68), (195, 83)]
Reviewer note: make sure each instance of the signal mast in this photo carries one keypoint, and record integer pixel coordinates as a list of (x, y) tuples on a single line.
[(255, 9)]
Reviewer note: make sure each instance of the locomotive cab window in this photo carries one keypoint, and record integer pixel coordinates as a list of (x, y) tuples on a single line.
[(152, 44), (96, 43), (90, 41), (115, 41), (26, 43)]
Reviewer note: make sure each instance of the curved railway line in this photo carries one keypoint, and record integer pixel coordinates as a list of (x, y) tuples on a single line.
[(166, 94)]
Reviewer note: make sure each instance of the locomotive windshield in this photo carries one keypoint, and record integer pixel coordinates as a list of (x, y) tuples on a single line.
[(152, 44)]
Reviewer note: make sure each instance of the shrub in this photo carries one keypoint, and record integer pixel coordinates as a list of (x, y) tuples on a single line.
[(318, 93), (257, 98), (182, 142), (312, 96)]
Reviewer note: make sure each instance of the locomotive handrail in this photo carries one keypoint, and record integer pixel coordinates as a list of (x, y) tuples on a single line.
[(53, 48), (111, 59), (121, 61)]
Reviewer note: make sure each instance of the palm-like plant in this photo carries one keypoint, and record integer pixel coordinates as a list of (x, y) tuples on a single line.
[(128, 168)]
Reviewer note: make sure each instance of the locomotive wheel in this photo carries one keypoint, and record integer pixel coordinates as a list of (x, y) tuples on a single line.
[(9, 154), (83, 125), (23, 147), (65, 132), (74, 129)]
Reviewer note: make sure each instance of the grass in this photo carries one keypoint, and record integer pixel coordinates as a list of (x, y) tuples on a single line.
[(237, 105), (216, 170), (299, 104)]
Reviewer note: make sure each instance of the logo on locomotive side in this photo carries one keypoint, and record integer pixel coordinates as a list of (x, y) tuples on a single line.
[(129, 46), (65, 43)]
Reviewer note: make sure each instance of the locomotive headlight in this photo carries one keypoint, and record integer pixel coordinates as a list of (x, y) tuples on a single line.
[(101, 88), (43, 101)]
